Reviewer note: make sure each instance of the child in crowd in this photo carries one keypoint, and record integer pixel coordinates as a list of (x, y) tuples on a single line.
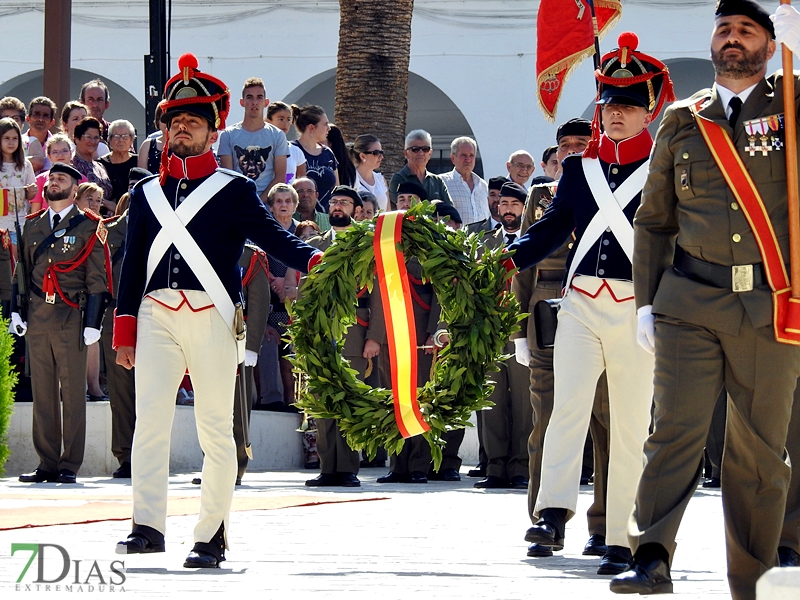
[(17, 175), (279, 114)]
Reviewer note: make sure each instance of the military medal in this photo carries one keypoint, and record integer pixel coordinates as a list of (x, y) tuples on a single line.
[(754, 128), (69, 242)]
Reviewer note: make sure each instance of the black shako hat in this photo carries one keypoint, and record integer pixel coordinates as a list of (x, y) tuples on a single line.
[(346, 190), (514, 190), (409, 187), (68, 169), (574, 127), (746, 8), (634, 78), (195, 92)]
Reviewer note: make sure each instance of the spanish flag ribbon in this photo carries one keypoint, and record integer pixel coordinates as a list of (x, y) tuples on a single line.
[(7, 196), (399, 317)]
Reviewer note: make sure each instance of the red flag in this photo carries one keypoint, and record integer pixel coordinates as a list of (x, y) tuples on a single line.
[(565, 36)]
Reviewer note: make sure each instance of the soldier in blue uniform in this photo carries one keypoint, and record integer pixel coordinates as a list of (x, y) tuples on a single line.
[(597, 197), (179, 307)]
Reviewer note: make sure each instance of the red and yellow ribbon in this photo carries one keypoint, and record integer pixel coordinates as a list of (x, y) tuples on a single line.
[(399, 317)]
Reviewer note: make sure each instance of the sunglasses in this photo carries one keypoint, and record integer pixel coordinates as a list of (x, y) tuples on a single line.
[(375, 152), (416, 149)]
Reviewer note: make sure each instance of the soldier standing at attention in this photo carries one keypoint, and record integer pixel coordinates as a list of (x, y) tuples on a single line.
[(177, 308), (597, 197), (706, 309), (65, 260)]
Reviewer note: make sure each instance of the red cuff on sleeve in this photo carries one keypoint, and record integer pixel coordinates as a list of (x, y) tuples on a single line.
[(124, 331), (314, 260)]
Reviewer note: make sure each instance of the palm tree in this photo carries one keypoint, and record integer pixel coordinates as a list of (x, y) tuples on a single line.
[(372, 73)]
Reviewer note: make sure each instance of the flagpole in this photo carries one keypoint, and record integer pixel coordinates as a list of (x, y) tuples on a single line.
[(790, 129), (596, 30)]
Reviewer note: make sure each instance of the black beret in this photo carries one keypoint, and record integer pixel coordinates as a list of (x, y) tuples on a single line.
[(69, 170), (346, 190), (409, 187), (138, 173), (746, 8), (514, 190), (574, 127), (496, 183), (446, 210)]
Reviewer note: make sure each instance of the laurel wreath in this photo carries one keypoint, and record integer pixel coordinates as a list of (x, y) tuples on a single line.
[(471, 285)]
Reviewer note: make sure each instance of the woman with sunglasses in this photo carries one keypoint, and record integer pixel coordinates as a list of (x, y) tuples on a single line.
[(418, 152), (367, 156)]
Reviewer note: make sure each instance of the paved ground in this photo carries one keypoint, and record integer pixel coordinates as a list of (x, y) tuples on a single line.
[(440, 540)]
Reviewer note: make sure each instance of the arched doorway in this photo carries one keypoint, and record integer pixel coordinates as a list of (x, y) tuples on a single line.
[(123, 104), (429, 108)]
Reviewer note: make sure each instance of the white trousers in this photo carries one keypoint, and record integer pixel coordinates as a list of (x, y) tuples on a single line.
[(596, 334), (169, 342)]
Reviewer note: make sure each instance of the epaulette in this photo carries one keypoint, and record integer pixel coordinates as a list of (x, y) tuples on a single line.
[(36, 214), (143, 181), (255, 249), (693, 99), (90, 214), (231, 173)]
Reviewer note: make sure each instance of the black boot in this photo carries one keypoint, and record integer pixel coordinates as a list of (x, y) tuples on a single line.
[(208, 555), (549, 529)]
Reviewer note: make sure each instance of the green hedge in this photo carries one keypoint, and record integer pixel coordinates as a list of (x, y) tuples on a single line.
[(8, 379)]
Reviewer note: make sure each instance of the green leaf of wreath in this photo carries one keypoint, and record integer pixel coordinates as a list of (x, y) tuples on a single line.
[(470, 283)]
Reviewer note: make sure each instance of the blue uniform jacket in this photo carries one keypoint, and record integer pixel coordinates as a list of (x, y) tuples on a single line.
[(220, 228)]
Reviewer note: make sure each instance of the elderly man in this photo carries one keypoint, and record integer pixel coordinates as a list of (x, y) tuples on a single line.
[(703, 275), (520, 167), (308, 201), (418, 152), (468, 192), (41, 117)]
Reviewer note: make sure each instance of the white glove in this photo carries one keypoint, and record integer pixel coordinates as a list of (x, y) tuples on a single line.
[(522, 351), (250, 358), (90, 335), (646, 333), (787, 27), (17, 325)]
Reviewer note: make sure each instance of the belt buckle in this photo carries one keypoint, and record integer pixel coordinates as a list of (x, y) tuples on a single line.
[(50, 298), (742, 278)]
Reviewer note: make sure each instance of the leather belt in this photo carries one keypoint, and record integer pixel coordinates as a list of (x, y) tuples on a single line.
[(36, 290), (737, 278), (551, 275)]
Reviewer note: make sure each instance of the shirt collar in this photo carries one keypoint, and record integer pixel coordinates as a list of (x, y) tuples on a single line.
[(192, 167), (63, 214), (627, 151), (725, 96)]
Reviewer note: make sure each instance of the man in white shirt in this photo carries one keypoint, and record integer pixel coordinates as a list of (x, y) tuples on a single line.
[(468, 192)]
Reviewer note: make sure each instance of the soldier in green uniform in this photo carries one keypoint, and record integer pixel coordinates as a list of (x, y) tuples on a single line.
[(338, 462), (65, 258), (707, 327)]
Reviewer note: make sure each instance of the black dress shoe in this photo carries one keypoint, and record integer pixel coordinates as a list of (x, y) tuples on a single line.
[(596, 546), (392, 477), (66, 476), (38, 476), (617, 560), (539, 551), (348, 480), (712, 483), (478, 471), (492, 483), (518, 482), (238, 481), (197, 481), (124, 471), (549, 530), (142, 540), (787, 557), (645, 576), (311, 465), (418, 477), (323, 480), (207, 555), (449, 475)]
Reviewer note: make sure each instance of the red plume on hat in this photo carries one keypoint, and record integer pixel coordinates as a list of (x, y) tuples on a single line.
[(635, 77), (191, 90)]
